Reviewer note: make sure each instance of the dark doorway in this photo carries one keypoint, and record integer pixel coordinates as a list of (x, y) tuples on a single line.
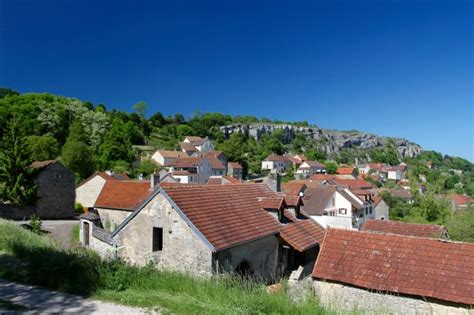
[(85, 234)]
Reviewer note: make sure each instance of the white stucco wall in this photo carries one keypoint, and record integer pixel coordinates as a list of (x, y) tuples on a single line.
[(88, 193), (330, 221)]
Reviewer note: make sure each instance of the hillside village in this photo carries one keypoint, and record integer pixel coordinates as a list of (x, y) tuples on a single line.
[(197, 214)]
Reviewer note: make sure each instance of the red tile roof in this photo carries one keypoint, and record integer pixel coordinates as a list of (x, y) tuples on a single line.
[(274, 157), (293, 189), (402, 228), (351, 183), (187, 146), (462, 199), (235, 165), (400, 264), (195, 140), (226, 215), (124, 195), (172, 154), (273, 202), (293, 201), (322, 177), (216, 163), (186, 162), (222, 180), (303, 235), (345, 170)]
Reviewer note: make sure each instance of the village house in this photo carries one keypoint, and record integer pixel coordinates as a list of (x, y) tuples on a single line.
[(337, 206), (293, 188), (204, 229), (88, 190), (217, 167), (191, 170), (460, 202), (350, 171), (390, 273), (222, 180), (402, 228), (372, 168), (296, 159), (165, 157), (396, 172), (381, 208), (234, 169), (350, 183), (55, 193), (277, 164), (195, 145), (308, 168)]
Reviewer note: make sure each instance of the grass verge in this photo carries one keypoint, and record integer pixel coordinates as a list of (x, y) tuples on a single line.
[(80, 271)]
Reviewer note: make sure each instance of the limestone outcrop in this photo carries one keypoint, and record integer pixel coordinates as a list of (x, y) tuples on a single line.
[(331, 141)]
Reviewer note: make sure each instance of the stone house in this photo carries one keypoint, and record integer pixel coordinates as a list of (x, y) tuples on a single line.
[(276, 164), (222, 180), (381, 208), (351, 171), (55, 190), (204, 229), (390, 273), (191, 170), (88, 191), (165, 157), (234, 169), (195, 145), (309, 168), (396, 172), (402, 228), (459, 202)]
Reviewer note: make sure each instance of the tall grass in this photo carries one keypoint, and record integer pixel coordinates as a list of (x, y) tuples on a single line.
[(80, 271)]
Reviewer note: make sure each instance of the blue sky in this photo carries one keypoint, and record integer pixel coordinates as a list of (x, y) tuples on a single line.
[(395, 68)]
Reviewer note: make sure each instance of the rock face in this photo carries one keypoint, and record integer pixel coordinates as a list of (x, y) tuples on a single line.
[(331, 141)]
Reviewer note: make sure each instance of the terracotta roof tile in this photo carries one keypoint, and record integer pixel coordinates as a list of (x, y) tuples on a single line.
[(402, 228), (316, 198), (216, 163), (172, 154), (226, 215), (351, 183), (186, 162), (126, 195), (235, 165), (293, 189), (462, 199), (303, 235), (274, 157), (345, 170), (401, 264)]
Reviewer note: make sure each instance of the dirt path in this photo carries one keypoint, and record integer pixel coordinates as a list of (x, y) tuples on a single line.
[(38, 300)]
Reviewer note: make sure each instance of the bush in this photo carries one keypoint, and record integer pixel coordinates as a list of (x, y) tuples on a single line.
[(78, 208), (36, 224)]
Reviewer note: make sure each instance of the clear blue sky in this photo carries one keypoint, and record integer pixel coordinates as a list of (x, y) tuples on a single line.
[(396, 68)]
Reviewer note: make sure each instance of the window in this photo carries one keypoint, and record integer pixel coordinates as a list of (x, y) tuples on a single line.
[(342, 211), (157, 239), (370, 210), (333, 201), (366, 211)]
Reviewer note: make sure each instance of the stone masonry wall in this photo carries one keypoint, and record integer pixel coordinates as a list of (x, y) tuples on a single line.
[(261, 255), (111, 219), (182, 250), (346, 298), (56, 192)]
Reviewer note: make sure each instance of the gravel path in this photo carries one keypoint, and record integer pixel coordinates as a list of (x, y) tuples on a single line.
[(43, 301)]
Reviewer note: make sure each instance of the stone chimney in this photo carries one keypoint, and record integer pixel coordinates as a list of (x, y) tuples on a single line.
[(274, 181), (154, 180)]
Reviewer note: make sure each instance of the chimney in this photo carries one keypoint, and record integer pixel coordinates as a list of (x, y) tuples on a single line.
[(154, 180), (109, 172), (274, 182)]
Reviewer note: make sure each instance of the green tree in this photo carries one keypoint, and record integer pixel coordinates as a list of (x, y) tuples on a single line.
[(461, 225), (116, 146), (7, 92), (77, 156), (141, 108), (42, 148), (16, 175), (331, 167)]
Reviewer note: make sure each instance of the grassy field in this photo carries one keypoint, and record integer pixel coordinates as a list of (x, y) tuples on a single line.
[(30, 258)]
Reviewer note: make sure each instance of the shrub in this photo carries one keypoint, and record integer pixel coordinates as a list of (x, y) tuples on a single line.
[(78, 208), (36, 224)]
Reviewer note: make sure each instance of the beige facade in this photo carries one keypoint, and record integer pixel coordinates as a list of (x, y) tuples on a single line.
[(111, 218), (87, 193)]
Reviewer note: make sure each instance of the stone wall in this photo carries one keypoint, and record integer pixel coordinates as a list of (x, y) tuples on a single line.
[(13, 212), (56, 192), (111, 219), (346, 298), (261, 256), (381, 211), (183, 250), (88, 193)]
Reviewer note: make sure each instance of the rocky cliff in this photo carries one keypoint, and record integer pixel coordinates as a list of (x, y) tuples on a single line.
[(331, 141)]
